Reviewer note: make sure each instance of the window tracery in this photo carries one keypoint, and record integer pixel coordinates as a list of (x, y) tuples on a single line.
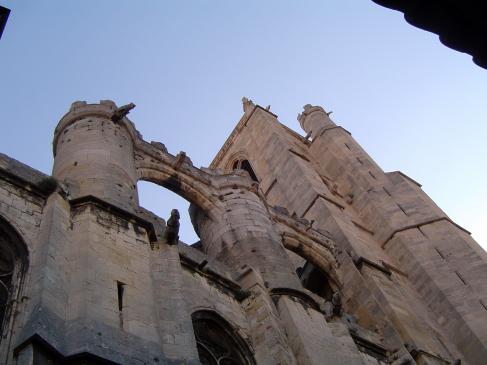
[(217, 343), (12, 259), (7, 267)]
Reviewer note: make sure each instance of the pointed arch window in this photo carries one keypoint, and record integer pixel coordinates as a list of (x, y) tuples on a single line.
[(13, 258), (217, 342), (315, 280), (245, 165)]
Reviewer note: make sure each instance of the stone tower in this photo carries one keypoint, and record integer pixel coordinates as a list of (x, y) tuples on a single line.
[(309, 253)]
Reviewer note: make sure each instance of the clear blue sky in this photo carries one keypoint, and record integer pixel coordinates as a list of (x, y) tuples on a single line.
[(414, 104)]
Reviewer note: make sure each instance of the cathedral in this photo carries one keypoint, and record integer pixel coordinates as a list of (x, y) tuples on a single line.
[(309, 253)]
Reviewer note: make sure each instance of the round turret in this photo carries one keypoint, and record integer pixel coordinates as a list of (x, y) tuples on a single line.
[(94, 153), (314, 119)]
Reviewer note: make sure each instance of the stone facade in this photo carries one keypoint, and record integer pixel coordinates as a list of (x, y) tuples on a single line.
[(309, 253)]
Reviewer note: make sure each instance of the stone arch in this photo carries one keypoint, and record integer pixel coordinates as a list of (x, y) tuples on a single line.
[(316, 254), (14, 260), (218, 342), (187, 187)]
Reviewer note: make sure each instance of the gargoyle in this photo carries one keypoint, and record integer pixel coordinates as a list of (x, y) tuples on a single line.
[(122, 112), (171, 235)]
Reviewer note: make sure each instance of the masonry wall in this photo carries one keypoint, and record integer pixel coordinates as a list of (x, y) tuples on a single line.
[(77, 255), (104, 281), (21, 206), (379, 221)]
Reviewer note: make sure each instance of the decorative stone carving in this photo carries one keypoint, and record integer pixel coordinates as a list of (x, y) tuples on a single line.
[(171, 235), (122, 112)]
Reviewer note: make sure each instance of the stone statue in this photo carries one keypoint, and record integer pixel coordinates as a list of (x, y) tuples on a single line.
[(171, 235), (122, 112)]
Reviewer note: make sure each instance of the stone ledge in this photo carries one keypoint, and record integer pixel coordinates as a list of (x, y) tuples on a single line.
[(302, 296), (404, 176), (361, 261), (224, 284), (323, 131), (110, 208), (202, 260), (419, 225), (418, 353), (40, 343)]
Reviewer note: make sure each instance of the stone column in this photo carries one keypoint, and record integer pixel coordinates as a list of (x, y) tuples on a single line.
[(245, 235), (245, 239)]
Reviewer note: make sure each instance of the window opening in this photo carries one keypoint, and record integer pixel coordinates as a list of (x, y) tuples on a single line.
[(13, 261), (373, 353), (245, 165), (120, 291), (315, 281), (217, 342)]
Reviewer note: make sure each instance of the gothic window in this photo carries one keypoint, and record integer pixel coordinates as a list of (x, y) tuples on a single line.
[(6, 273), (315, 280), (12, 258), (217, 342), (245, 165)]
